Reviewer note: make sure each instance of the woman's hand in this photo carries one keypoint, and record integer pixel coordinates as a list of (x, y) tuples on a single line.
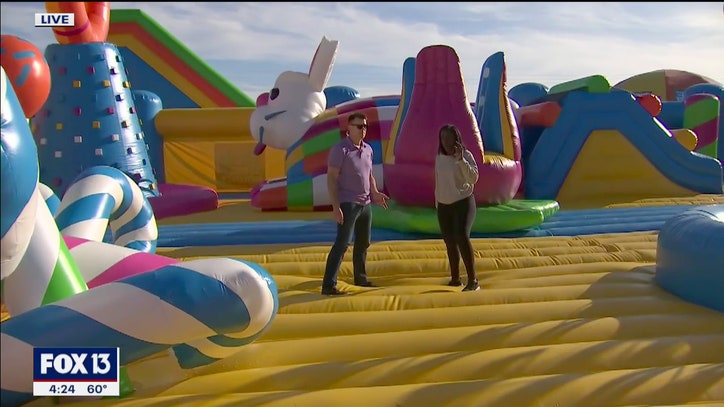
[(458, 153)]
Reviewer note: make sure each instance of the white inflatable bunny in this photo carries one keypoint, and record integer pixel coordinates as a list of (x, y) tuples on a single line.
[(285, 113), (293, 117)]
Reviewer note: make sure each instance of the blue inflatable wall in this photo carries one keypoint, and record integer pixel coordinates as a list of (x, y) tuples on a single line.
[(90, 118)]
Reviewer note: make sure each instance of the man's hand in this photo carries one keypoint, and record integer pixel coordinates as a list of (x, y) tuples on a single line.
[(380, 199), (337, 214)]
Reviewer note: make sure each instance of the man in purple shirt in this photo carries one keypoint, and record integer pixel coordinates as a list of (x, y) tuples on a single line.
[(352, 187)]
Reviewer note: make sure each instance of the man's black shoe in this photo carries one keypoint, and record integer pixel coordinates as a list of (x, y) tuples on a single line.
[(332, 291), (366, 284)]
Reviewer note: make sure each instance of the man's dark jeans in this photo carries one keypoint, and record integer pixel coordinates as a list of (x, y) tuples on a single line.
[(357, 220)]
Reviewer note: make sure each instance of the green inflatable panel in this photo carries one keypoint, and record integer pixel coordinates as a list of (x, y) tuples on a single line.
[(509, 217), (590, 84)]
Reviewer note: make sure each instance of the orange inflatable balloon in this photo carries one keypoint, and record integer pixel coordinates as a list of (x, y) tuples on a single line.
[(92, 21), (650, 102), (27, 70)]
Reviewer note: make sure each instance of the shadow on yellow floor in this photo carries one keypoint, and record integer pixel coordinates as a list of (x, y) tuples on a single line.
[(560, 321)]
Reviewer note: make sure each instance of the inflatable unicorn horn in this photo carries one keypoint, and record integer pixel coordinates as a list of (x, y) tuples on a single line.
[(285, 113)]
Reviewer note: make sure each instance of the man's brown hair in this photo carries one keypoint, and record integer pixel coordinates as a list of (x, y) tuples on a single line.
[(356, 115)]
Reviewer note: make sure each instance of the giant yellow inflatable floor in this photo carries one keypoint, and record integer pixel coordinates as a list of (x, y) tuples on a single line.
[(560, 321)]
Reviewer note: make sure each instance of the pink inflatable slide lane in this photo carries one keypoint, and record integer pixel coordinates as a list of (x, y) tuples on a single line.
[(438, 98), (270, 195), (179, 200)]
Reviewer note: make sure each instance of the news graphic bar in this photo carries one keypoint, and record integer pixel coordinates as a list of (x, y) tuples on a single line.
[(97, 389)]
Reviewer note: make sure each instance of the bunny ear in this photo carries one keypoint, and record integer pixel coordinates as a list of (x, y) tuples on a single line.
[(321, 68)]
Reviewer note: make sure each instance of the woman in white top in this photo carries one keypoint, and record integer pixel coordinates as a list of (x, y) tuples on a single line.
[(455, 176)]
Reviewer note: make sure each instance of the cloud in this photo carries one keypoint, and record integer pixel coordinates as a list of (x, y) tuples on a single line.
[(251, 43)]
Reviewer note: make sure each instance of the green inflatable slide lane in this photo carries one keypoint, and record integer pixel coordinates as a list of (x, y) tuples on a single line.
[(509, 217)]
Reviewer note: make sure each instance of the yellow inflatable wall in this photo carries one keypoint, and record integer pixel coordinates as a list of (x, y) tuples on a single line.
[(213, 147)]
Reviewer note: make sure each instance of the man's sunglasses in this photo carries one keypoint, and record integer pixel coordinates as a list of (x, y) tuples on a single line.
[(359, 126)]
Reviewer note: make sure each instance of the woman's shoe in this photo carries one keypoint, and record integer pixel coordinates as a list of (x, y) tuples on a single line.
[(472, 286), (455, 283)]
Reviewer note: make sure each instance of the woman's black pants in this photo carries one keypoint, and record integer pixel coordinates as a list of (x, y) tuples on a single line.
[(456, 222)]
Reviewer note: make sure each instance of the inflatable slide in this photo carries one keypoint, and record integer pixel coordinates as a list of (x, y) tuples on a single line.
[(606, 143), (158, 62)]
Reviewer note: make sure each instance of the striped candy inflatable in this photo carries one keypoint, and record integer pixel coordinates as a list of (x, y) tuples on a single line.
[(101, 194), (215, 305), (101, 263), (50, 198), (37, 268), (140, 302)]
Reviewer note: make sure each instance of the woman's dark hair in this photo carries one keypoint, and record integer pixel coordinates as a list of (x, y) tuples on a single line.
[(450, 129)]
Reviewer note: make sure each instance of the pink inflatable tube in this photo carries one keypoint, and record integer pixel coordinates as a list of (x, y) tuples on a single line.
[(179, 200)]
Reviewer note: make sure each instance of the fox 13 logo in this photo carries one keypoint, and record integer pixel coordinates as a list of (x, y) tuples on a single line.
[(76, 371)]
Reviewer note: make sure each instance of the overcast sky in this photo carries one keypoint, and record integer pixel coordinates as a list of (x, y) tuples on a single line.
[(548, 43)]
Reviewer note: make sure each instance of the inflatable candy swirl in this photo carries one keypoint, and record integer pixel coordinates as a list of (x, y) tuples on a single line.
[(102, 263), (185, 302), (50, 198), (19, 170), (101, 194), (170, 304), (259, 293), (37, 267)]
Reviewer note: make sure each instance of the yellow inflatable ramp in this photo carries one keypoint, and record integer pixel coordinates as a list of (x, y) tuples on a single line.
[(559, 322)]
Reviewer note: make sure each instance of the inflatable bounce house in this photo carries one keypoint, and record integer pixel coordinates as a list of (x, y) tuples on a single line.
[(601, 207), (404, 146), (93, 117), (601, 146), (581, 144)]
